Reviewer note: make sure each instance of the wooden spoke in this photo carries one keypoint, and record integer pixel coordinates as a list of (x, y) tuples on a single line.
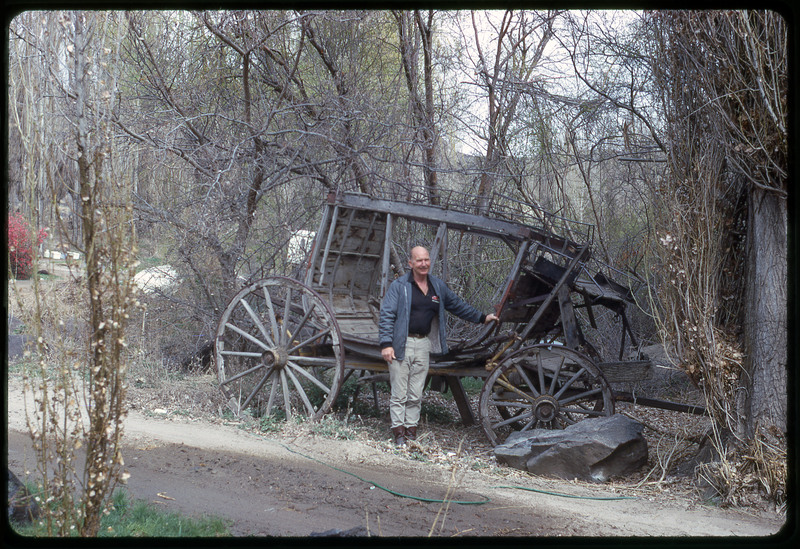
[(325, 388), (240, 353), (300, 391), (271, 312), (309, 341), (512, 419), (257, 321), (242, 374), (257, 388), (246, 335), (287, 401), (577, 375), (273, 390)]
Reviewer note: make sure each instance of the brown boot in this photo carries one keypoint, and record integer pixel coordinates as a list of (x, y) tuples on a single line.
[(411, 433), (399, 436)]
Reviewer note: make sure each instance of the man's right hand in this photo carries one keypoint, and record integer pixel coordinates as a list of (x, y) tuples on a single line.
[(388, 354)]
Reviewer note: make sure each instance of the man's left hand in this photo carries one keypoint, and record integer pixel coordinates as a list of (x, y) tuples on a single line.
[(491, 318)]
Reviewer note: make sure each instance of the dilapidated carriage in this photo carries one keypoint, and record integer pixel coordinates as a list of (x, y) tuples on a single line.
[(287, 345)]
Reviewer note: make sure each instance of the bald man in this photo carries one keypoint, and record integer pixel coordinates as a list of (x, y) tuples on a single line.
[(412, 325)]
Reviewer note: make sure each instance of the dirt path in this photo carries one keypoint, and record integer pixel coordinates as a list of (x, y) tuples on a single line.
[(296, 487)]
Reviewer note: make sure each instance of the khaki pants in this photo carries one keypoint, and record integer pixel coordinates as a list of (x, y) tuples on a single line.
[(407, 378)]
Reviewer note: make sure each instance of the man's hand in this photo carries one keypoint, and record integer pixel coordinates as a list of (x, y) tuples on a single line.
[(491, 317), (388, 354)]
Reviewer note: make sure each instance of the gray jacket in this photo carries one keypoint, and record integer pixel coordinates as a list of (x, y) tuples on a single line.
[(396, 310)]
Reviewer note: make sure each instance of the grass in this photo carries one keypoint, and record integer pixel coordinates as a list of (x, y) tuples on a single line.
[(24, 366), (137, 518), (330, 427), (272, 423), (472, 385)]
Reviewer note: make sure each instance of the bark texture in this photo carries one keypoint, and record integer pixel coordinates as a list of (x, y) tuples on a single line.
[(765, 319)]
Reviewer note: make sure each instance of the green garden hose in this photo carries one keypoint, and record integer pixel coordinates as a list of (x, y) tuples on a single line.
[(430, 500), (559, 494), (376, 485)]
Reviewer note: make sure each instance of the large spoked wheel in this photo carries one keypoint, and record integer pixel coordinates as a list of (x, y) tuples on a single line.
[(278, 350), (542, 387)]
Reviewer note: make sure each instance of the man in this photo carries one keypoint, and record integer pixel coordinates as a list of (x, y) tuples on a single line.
[(412, 325)]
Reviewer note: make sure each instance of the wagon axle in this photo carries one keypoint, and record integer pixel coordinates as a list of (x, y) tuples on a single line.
[(545, 408)]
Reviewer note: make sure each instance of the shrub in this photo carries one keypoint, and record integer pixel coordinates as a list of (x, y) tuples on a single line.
[(20, 248)]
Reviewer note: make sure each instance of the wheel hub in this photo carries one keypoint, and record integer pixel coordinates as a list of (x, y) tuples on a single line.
[(545, 408), (277, 357)]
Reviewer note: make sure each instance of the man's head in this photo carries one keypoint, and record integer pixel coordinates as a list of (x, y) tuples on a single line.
[(419, 262)]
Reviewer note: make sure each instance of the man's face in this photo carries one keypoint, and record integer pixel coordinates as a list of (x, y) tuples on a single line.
[(420, 261)]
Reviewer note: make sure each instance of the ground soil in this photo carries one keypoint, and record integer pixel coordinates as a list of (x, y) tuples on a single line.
[(185, 453), (298, 482)]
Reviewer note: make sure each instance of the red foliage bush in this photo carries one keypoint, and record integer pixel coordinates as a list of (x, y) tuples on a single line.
[(20, 248)]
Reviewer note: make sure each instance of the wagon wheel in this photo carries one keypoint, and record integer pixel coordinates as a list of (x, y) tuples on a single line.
[(545, 387), (278, 349)]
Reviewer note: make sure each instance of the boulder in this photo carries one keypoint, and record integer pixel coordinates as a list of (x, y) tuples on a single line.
[(594, 449)]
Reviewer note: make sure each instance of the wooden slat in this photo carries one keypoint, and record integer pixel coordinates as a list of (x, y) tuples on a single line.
[(626, 371)]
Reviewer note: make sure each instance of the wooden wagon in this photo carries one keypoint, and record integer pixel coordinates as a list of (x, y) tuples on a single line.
[(286, 346)]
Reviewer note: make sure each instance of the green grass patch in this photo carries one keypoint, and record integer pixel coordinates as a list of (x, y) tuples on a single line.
[(137, 518), (418, 456), (357, 398), (472, 385), (272, 423)]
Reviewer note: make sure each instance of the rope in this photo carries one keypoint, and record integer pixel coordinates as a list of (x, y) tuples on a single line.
[(431, 500)]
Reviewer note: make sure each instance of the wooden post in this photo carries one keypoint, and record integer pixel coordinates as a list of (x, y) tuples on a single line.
[(460, 396), (568, 320)]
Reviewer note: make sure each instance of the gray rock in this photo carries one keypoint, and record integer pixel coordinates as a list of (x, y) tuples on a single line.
[(594, 449)]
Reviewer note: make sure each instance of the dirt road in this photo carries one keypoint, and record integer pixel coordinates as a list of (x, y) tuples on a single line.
[(279, 486)]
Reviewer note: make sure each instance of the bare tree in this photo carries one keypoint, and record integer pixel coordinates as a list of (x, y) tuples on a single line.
[(203, 102), (737, 66), (503, 69), (726, 227), (613, 128), (415, 31), (260, 114), (80, 52), (110, 252)]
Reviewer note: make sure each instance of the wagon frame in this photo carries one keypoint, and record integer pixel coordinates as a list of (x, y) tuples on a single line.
[(287, 345)]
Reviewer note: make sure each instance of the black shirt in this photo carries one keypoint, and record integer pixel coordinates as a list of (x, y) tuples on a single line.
[(423, 309)]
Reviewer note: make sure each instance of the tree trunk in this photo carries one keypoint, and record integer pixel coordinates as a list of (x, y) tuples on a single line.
[(764, 400)]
